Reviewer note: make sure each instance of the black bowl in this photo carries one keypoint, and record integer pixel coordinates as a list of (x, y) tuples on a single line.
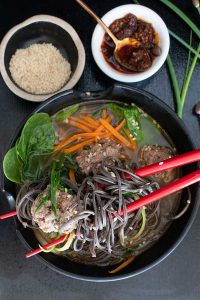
[(178, 229)]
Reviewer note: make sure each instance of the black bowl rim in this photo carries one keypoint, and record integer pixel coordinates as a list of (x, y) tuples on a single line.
[(187, 225)]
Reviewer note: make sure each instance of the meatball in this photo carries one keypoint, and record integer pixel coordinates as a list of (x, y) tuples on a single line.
[(45, 217), (96, 153), (150, 154)]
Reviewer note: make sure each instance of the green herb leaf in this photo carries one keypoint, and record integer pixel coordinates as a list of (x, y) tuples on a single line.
[(70, 162), (181, 41), (43, 201), (64, 114), (174, 81), (32, 150), (55, 182), (67, 244), (27, 133), (132, 116), (183, 16), (12, 166), (187, 83)]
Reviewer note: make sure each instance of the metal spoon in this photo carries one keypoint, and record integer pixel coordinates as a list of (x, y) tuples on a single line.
[(128, 52)]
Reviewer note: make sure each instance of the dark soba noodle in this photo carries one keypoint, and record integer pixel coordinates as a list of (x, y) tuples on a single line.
[(102, 239)]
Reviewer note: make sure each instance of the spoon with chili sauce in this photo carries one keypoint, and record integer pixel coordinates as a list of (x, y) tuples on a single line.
[(129, 52)]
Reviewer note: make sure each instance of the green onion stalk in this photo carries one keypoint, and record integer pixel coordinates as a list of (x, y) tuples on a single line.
[(183, 16), (187, 83)]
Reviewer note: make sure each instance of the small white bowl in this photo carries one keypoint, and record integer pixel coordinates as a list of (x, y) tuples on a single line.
[(140, 12), (42, 29)]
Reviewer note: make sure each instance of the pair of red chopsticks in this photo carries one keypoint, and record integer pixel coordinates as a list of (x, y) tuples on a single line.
[(164, 191)]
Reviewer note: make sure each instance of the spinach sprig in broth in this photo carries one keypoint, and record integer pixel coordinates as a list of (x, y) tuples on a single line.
[(27, 160)]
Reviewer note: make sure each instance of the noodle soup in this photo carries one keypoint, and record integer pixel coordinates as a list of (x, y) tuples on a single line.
[(73, 181)]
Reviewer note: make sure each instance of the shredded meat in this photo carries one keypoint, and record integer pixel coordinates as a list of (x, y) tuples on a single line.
[(150, 154), (96, 153), (45, 217)]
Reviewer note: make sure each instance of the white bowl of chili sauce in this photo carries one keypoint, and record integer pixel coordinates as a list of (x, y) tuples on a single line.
[(149, 29)]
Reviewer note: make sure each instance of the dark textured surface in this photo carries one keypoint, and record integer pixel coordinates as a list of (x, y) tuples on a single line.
[(175, 278)]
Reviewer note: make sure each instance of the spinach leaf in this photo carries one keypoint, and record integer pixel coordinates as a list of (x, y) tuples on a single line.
[(35, 165), (64, 114), (32, 123), (12, 166), (42, 139), (131, 115), (32, 151)]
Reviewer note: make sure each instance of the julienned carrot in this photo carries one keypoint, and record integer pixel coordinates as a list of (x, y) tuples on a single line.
[(72, 176), (123, 265), (101, 127), (104, 113), (82, 122), (78, 146), (79, 125), (120, 125), (91, 121), (131, 140), (115, 133), (70, 139)]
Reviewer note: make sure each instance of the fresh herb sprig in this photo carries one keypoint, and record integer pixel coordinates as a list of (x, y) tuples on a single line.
[(183, 16), (55, 181)]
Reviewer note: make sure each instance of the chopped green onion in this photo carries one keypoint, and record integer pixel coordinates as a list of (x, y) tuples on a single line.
[(187, 82), (188, 60), (67, 244), (55, 181), (43, 200), (182, 15), (181, 41), (142, 228)]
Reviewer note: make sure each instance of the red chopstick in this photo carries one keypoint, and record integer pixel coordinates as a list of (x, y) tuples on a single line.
[(8, 215), (47, 246), (170, 188), (177, 161), (154, 196), (164, 191), (174, 162)]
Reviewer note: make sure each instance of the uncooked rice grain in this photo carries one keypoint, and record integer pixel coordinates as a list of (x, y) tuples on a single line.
[(40, 69)]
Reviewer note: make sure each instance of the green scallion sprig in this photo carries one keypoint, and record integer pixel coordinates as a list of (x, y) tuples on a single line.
[(174, 81), (183, 16), (181, 41), (187, 83)]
